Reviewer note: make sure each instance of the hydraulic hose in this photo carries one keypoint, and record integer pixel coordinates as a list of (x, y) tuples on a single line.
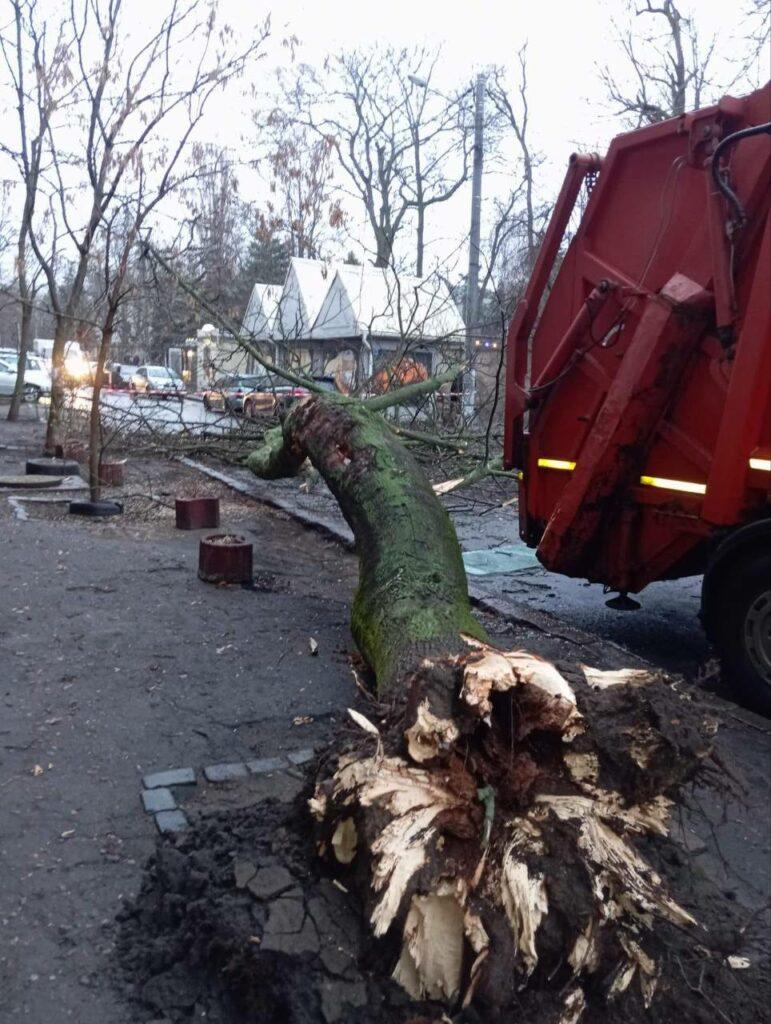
[(720, 179)]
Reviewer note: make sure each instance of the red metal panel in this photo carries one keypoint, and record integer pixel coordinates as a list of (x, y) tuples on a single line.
[(526, 312), (653, 214), (747, 404), (612, 459)]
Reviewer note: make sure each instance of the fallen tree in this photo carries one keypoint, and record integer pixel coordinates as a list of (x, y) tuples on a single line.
[(501, 817)]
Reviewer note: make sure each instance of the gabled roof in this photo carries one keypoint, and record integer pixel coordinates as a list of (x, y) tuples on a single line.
[(322, 300), (374, 301), (261, 311), (304, 289)]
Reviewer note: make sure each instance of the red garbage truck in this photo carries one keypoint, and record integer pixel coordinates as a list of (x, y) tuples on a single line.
[(638, 375)]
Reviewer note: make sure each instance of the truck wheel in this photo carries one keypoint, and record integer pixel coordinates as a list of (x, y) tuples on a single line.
[(743, 629)]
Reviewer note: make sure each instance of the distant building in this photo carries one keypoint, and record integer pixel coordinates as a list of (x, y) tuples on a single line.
[(347, 321)]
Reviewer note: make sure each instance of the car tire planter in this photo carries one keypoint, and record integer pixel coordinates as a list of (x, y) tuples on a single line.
[(197, 513), (225, 558), (50, 466), (96, 509), (111, 474)]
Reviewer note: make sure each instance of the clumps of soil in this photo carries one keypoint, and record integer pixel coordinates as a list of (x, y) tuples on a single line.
[(238, 920), (234, 920)]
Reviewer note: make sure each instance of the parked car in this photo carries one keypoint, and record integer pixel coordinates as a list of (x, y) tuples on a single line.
[(37, 380), (229, 392), (8, 382), (271, 395), (158, 381)]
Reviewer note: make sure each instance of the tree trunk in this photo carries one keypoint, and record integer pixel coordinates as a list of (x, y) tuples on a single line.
[(25, 344), (56, 409), (412, 599), (491, 819), (95, 422)]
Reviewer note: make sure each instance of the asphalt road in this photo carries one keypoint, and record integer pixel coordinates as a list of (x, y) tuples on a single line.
[(167, 414)]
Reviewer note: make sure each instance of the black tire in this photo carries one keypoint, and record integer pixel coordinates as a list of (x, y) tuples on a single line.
[(96, 509), (743, 628), (47, 466), (31, 393), (206, 404)]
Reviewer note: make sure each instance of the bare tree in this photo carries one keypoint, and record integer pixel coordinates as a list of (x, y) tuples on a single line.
[(303, 203), (37, 58), (668, 64), (402, 150), (440, 137), (753, 65), (216, 226), (122, 98)]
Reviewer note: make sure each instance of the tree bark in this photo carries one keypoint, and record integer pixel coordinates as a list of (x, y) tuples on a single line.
[(412, 599), (25, 344), (95, 421)]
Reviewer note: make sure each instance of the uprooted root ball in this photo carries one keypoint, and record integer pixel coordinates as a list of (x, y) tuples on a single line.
[(502, 835)]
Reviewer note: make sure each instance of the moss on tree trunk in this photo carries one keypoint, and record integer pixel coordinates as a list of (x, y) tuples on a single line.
[(412, 599)]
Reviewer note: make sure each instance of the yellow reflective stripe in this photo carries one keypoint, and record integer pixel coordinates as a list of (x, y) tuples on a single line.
[(686, 486), (673, 485)]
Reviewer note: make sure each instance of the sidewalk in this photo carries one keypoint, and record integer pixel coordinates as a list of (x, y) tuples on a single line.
[(117, 661)]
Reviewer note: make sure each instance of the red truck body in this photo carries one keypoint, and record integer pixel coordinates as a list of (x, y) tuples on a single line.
[(638, 393)]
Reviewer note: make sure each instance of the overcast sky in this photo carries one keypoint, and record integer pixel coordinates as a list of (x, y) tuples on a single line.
[(567, 40)]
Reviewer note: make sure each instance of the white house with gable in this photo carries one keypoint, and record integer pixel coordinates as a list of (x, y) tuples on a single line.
[(386, 316), (350, 320)]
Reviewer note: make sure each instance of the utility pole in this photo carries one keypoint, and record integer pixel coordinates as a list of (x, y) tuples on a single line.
[(472, 281)]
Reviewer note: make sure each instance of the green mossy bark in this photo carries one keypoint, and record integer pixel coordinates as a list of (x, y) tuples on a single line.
[(412, 599)]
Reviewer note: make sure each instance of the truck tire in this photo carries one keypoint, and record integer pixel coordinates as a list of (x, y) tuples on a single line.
[(743, 628)]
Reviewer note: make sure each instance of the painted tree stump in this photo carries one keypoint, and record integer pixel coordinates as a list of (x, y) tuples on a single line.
[(225, 558), (197, 513)]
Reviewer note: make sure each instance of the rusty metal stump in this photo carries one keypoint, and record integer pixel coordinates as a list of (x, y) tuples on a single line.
[(197, 513), (225, 558)]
